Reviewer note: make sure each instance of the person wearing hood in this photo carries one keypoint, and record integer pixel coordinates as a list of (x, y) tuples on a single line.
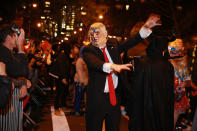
[(151, 101)]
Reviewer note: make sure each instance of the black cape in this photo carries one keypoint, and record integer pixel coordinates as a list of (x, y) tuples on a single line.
[(151, 101)]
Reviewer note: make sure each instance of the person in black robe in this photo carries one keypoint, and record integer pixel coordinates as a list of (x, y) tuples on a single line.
[(151, 99)]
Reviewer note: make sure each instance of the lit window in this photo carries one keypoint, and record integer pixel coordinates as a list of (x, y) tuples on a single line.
[(65, 38), (63, 12), (46, 30), (47, 2), (47, 5), (83, 13), (42, 17), (63, 25), (67, 33)]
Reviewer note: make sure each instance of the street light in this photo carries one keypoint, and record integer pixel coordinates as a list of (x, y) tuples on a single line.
[(75, 32), (100, 16), (34, 5), (80, 29), (38, 24)]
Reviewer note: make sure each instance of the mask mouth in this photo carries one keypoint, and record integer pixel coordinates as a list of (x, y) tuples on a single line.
[(174, 51)]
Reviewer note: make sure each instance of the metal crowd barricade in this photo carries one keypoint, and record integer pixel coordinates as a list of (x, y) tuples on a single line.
[(11, 116)]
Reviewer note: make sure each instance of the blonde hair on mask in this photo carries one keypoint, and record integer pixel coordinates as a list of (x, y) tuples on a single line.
[(98, 25)]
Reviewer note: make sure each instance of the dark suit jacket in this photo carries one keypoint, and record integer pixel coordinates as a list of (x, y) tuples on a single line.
[(94, 58)]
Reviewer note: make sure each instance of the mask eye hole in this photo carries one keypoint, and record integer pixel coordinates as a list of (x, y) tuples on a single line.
[(94, 31)]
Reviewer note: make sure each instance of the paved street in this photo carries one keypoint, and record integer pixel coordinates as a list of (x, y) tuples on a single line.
[(47, 121)]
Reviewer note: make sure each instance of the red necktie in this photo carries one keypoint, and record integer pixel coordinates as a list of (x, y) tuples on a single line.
[(112, 94)]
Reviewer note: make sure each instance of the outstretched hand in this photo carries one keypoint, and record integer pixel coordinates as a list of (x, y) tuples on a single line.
[(152, 21), (119, 68)]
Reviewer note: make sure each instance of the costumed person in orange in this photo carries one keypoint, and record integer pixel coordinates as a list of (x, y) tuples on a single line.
[(182, 77)]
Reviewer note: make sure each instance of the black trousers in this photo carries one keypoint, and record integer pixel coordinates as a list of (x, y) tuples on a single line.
[(61, 94), (100, 112), (194, 125)]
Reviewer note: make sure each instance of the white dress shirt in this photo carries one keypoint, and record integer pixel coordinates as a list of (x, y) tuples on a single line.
[(107, 69)]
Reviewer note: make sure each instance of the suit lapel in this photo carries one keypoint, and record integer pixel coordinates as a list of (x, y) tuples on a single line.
[(112, 54)]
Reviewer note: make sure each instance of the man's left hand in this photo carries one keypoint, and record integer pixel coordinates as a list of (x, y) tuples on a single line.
[(153, 20)]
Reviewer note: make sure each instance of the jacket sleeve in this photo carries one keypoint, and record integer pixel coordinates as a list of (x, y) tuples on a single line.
[(131, 42)]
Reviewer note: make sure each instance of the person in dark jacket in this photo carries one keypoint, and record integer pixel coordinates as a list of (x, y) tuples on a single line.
[(16, 65), (60, 70)]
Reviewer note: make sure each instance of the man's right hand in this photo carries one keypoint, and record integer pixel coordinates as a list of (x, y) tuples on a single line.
[(120, 67)]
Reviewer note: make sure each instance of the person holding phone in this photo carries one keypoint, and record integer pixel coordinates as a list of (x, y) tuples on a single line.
[(16, 65)]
